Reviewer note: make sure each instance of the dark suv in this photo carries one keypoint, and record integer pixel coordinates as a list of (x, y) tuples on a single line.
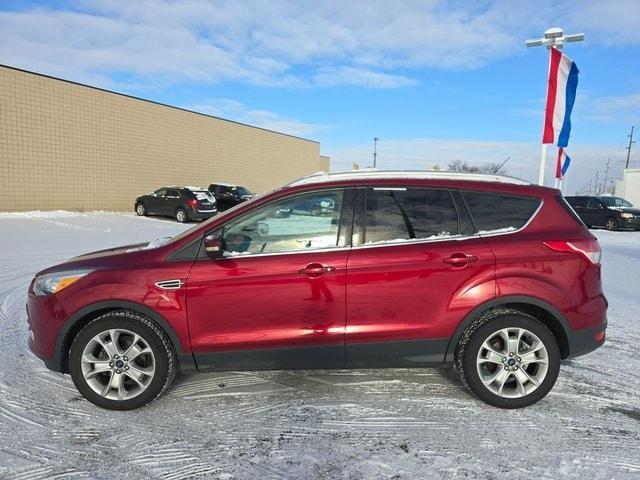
[(182, 203), (408, 269), (606, 211), (229, 195)]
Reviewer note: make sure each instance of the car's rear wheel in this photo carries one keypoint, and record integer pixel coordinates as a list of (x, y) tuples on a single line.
[(611, 224), (508, 359), (141, 210), (121, 361), (181, 216)]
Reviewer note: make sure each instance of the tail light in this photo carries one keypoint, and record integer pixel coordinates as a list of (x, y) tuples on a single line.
[(589, 249), (193, 203)]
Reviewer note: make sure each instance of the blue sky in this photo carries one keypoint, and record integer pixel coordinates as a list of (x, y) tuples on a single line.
[(435, 80)]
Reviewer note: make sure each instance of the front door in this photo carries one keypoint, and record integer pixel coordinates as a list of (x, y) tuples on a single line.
[(414, 267), (276, 298), (594, 212)]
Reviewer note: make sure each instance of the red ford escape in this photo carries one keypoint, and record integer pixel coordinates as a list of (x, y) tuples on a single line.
[(393, 269)]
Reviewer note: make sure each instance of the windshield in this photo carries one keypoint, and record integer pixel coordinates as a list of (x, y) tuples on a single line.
[(615, 202)]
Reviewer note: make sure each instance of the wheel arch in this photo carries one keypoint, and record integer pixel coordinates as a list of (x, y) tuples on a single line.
[(550, 316), (82, 317)]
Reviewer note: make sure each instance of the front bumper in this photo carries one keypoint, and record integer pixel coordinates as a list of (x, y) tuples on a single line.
[(629, 223)]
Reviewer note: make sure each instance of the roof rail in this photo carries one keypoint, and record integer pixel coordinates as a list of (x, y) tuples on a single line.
[(418, 174)]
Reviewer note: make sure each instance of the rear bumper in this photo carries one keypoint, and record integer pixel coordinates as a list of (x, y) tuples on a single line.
[(202, 214), (582, 342)]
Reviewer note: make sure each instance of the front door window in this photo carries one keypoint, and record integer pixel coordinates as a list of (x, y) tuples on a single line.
[(304, 222)]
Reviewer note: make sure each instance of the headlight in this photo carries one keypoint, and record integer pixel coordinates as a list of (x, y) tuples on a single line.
[(626, 215), (54, 282)]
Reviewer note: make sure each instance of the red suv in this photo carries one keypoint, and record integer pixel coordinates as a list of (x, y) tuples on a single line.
[(492, 274)]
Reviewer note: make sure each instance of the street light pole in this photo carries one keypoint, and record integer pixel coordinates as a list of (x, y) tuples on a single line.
[(375, 150), (553, 38)]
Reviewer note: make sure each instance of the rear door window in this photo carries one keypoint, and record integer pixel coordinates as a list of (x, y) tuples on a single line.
[(499, 213), (394, 214)]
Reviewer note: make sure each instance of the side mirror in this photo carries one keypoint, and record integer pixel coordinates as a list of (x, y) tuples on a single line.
[(213, 245)]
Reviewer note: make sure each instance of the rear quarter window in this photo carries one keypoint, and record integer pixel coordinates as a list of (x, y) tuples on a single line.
[(497, 212)]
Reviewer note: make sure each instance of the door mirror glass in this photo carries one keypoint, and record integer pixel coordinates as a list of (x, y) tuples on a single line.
[(213, 245)]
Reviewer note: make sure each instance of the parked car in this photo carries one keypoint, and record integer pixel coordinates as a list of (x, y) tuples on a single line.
[(315, 207), (182, 203), (612, 213), (229, 195), (491, 274)]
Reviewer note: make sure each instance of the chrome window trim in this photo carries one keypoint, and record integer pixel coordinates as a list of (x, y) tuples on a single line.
[(459, 238)]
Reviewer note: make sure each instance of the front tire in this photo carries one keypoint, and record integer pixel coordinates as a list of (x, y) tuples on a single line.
[(611, 224), (141, 210), (121, 361), (508, 359)]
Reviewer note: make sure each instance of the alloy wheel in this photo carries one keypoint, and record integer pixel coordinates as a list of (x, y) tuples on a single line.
[(512, 362), (118, 364)]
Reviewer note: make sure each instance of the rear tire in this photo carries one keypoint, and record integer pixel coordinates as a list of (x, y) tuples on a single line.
[(611, 224), (141, 210), (181, 216), (508, 359), (121, 361)]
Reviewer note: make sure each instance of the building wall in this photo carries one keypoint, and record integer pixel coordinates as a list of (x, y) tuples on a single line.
[(629, 186), (69, 146)]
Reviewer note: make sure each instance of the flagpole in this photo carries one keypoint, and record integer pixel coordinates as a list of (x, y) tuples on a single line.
[(543, 150), (553, 38)]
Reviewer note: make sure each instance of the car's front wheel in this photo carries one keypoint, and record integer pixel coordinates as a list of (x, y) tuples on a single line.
[(121, 361), (611, 224), (141, 210), (508, 359)]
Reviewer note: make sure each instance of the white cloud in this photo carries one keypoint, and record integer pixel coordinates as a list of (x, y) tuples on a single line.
[(239, 112), (290, 42), (331, 76), (424, 153)]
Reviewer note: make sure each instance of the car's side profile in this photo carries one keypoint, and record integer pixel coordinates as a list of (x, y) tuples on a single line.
[(182, 203), (612, 213), (493, 275)]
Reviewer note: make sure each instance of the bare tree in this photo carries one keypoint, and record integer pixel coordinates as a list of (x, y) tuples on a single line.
[(461, 166), (496, 168)]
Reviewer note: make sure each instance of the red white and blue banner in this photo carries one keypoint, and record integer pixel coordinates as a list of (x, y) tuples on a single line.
[(562, 165), (561, 95)]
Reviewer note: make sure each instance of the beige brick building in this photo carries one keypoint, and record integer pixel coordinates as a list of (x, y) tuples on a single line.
[(69, 146)]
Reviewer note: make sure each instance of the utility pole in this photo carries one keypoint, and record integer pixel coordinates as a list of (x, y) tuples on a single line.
[(375, 150), (595, 187), (606, 175), (629, 147), (553, 38)]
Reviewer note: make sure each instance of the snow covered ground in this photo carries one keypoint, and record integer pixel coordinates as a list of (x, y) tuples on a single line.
[(310, 424)]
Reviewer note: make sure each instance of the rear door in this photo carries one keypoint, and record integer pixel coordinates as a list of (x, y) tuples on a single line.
[(415, 268), (172, 201)]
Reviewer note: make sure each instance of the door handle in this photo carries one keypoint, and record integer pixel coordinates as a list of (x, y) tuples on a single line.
[(316, 269), (461, 259)]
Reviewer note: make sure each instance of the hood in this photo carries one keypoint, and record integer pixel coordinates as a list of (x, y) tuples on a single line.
[(634, 210), (117, 257)]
